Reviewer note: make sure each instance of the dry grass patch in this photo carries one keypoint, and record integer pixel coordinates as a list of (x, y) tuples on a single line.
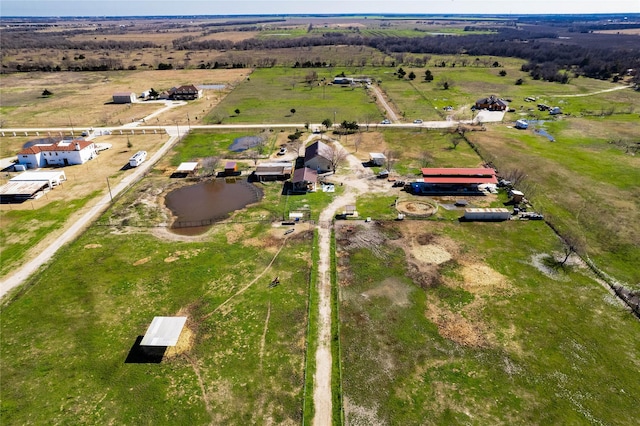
[(392, 289), (454, 326)]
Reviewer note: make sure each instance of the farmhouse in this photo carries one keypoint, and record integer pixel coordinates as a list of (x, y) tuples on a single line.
[(492, 103), (185, 93), (124, 97), (318, 156), (453, 180), (30, 185), (62, 153), (273, 171), (305, 180)]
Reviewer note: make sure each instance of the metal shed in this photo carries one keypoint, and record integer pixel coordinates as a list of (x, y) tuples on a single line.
[(163, 331)]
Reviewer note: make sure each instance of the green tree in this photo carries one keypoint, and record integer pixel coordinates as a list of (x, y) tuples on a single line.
[(293, 111), (46, 93), (327, 123), (153, 94), (412, 76), (428, 76), (502, 73), (237, 111)]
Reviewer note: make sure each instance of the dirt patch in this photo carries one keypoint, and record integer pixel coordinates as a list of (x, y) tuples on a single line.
[(430, 254), (366, 236), (184, 345), (141, 261), (480, 279), (92, 246), (453, 326), (393, 289), (185, 254), (357, 415), (416, 208)]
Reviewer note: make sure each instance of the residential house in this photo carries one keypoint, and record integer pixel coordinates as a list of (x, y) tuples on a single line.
[(185, 93), (305, 180), (318, 156), (62, 153), (492, 103)]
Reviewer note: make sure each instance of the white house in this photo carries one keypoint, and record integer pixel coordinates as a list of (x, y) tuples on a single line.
[(62, 153), (318, 156)]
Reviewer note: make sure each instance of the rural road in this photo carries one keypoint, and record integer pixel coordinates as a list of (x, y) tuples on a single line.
[(391, 115), (357, 180)]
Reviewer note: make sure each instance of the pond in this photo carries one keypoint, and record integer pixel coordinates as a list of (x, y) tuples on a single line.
[(245, 142), (197, 207)]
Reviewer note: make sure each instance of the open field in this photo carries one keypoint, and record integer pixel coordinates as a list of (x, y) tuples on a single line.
[(33, 224), (440, 321), (451, 323), (84, 100)]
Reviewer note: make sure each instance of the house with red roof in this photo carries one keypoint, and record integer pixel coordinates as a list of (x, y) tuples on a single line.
[(62, 153)]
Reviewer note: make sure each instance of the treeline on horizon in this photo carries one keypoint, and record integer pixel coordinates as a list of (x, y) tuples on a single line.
[(548, 56)]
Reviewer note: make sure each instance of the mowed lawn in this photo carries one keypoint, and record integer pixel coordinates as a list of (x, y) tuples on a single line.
[(461, 323), (67, 340)]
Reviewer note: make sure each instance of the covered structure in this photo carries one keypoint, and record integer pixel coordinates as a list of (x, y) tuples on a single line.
[(30, 185), (454, 180), (163, 331), (124, 97), (230, 168), (273, 171), (187, 168), (377, 158), (305, 180)]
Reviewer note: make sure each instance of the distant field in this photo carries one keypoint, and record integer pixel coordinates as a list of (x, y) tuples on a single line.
[(84, 100), (271, 94)]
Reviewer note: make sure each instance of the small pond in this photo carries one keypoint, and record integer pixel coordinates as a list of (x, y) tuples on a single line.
[(245, 142), (197, 207)]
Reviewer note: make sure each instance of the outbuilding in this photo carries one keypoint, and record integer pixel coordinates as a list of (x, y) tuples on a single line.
[(488, 214), (124, 98), (318, 156), (377, 158)]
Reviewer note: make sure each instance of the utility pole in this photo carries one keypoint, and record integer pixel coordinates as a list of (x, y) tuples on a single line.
[(109, 186)]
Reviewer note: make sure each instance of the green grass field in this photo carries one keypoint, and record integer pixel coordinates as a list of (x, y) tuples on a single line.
[(270, 94), (517, 347)]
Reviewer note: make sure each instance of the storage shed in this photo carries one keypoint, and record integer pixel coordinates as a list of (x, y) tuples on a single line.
[(124, 98), (231, 168), (489, 214), (377, 158), (163, 331)]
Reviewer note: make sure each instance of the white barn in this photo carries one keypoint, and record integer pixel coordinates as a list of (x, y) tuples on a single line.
[(62, 153)]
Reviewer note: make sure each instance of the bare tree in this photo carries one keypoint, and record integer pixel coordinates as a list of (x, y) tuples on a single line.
[(392, 157), (426, 158), (357, 140), (209, 165), (572, 244), (338, 156)]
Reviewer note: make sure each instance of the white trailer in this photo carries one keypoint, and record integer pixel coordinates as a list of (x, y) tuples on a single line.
[(493, 214), (138, 158)]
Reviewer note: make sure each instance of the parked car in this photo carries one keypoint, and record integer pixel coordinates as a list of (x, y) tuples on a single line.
[(385, 121), (282, 151), (418, 121)]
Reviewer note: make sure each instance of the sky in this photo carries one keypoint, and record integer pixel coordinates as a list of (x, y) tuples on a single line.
[(274, 7)]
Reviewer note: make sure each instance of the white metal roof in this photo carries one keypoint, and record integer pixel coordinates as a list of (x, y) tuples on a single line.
[(39, 176), (187, 167), (163, 331)]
